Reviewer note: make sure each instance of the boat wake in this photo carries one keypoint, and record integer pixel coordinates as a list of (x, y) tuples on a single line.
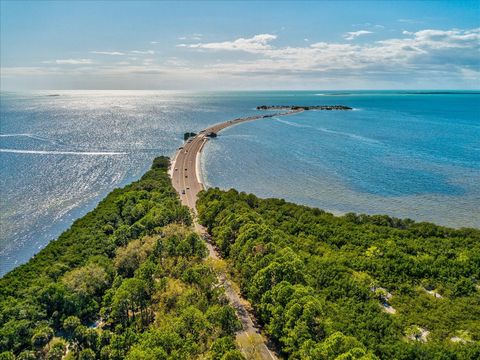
[(48, 152), (339, 133), (32, 136), (292, 123), (350, 135)]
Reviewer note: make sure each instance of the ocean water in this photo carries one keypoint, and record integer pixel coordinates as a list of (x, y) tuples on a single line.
[(405, 154)]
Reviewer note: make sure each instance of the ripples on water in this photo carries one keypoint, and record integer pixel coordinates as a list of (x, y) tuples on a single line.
[(60, 155), (406, 155)]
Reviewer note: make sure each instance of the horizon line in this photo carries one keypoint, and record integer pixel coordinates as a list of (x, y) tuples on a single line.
[(251, 90)]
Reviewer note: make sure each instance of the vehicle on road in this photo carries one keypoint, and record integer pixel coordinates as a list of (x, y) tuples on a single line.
[(183, 192)]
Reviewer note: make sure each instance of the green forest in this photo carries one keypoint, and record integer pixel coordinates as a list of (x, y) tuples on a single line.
[(350, 287), (126, 281), (129, 280)]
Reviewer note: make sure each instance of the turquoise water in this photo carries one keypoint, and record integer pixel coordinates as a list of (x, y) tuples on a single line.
[(405, 154)]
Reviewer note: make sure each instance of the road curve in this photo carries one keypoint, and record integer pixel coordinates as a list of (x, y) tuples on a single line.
[(186, 179), (185, 170)]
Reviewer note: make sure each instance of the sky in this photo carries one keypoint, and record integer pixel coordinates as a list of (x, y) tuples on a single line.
[(235, 45)]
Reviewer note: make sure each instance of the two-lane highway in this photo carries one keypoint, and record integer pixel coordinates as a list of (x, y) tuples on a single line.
[(185, 173), (185, 170)]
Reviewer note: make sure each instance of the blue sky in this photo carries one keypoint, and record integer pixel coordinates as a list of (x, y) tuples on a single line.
[(240, 45)]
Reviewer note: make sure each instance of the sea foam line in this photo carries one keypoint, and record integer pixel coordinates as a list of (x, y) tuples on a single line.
[(292, 123), (32, 136), (341, 133), (350, 135), (47, 152)]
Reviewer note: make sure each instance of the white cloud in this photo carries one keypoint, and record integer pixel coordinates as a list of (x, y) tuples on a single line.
[(113, 53), (430, 50), (471, 74), (410, 21), (354, 34), (174, 61), (143, 52), (148, 61), (429, 57), (73, 61), (253, 44), (427, 50), (15, 71), (194, 36)]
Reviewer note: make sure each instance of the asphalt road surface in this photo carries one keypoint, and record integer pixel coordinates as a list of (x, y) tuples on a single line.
[(185, 169), (185, 173)]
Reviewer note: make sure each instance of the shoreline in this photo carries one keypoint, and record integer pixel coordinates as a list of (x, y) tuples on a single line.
[(305, 108), (186, 172), (198, 166), (192, 180)]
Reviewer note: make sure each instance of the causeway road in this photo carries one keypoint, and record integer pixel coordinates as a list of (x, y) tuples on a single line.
[(186, 179), (185, 169)]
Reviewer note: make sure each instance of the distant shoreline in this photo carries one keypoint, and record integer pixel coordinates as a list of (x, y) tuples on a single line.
[(304, 108)]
